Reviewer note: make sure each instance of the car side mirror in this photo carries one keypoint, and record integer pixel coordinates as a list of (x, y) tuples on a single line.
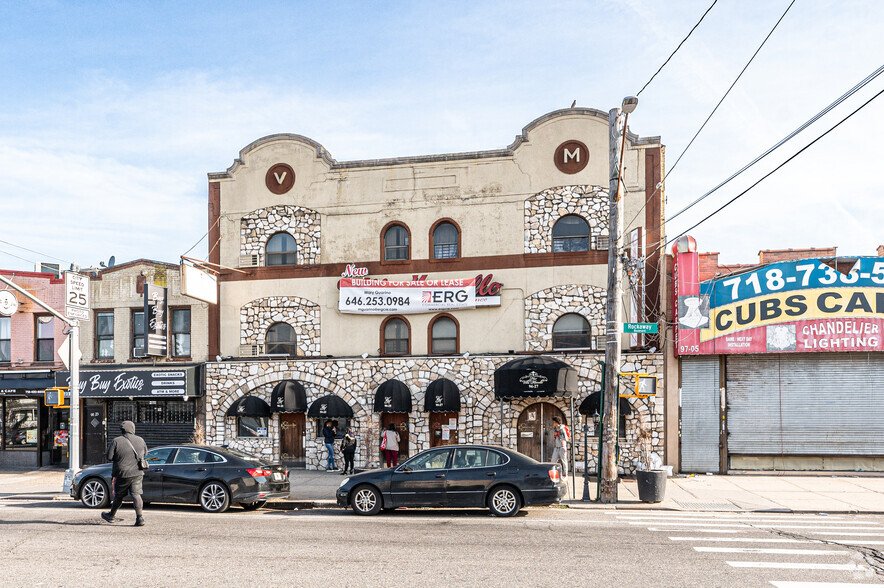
[(405, 469)]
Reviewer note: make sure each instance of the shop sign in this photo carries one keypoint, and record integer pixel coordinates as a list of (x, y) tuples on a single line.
[(792, 306), (365, 296), (133, 383), (8, 303), (487, 290), (351, 271), (156, 323)]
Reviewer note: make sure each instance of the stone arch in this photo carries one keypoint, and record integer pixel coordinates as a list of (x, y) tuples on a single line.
[(543, 308), (545, 208), (302, 314), (303, 224)]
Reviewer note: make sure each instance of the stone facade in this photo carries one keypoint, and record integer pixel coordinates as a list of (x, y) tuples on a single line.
[(543, 308), (544, 209), (356, 380), (301, 223), (303, 316)]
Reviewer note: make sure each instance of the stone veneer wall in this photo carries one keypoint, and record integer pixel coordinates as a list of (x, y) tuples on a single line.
[(299, 222), (303, 315), (545, 208), (355, 380), (544, 308)]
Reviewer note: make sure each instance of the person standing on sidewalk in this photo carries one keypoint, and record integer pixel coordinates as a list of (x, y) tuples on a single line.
[(126, 453), (329, 433), (561, 436), (348, 450), (390, 445)]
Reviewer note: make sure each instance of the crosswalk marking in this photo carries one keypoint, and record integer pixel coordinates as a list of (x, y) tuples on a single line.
[(745, 530), (720, 515), (739, 539), (796, 566), (782, 584), (828, 533), (771, 551), (745, 519), (744, 525)]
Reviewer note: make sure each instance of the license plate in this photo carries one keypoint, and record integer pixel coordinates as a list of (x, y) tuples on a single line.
[(278, 477)]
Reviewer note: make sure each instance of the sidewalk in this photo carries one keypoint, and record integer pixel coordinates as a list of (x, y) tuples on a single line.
[(791, 492)]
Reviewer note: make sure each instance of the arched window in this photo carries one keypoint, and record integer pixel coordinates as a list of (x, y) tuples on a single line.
[(281, 339), (445, 241), (443, 335), (571, 331), (571, 233), (281, 250), (395, 337), (396, 243)]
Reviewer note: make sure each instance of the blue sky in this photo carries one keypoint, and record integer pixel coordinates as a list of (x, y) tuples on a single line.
[(112, 113)]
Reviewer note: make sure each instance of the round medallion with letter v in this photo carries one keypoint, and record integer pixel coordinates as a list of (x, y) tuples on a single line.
[(280, 178)]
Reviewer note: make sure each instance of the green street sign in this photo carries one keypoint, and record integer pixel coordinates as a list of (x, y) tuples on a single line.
[(639, 327)]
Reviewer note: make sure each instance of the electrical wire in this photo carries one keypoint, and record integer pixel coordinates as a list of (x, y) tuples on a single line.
[(768, 174), (17, 256), (677, 48), (694, 138), (32, 251)]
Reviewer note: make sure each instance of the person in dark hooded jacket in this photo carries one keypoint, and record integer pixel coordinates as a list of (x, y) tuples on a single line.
[(126, 452)]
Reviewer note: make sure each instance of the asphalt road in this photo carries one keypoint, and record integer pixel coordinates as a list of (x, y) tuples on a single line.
[(64, 544)]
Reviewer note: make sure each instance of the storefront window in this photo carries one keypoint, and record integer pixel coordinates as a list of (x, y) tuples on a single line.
[(251, 427), (181, 332), (20, 423), (45, 344), (5, 339), (339, 423)]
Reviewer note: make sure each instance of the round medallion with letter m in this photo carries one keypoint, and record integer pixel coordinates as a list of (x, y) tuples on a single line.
[(571, 157)]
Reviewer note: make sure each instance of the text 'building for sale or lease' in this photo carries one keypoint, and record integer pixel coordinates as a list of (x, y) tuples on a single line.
[(457, 297)]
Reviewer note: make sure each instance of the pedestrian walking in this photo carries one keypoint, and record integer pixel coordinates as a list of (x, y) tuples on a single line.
[(348, 450), (329, 432), (390, 445), (126, 453), (561, 436)]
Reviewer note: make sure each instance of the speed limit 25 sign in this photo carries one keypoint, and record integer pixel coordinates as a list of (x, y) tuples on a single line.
[(76, 296)]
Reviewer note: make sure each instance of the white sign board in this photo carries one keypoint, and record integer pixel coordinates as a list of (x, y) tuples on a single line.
[(362, 296), (8, 303), (199, 284), (76, 296), (64, 352)]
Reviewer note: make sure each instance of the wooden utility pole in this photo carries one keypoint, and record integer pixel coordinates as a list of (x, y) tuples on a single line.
[(613, 319)]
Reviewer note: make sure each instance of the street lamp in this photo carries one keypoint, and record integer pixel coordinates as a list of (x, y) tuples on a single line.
[(595, 427)]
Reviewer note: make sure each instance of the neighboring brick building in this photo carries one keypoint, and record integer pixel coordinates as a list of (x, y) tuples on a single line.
[(29, 342)]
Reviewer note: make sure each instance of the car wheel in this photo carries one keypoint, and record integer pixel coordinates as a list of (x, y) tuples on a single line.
[(366, 500), (504, 501), (214, 497), (252, 505), (94, 494)]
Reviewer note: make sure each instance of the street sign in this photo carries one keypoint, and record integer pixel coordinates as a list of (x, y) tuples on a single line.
[(76, 296), (639, 327), (64, 352)]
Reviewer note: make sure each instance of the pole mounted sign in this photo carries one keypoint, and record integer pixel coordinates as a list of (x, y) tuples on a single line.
[(76, 296), (156, 327), (639, 327)]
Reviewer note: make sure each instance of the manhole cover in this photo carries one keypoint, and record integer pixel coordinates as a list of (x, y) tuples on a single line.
[(711, 506), (94, 423)]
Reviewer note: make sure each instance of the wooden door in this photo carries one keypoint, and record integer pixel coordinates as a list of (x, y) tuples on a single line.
[(291, 438), (400, 420), (437, 419), (94, 434), (535, 429)]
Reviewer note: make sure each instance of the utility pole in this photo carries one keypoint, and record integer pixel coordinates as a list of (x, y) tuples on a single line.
[(613, 311)]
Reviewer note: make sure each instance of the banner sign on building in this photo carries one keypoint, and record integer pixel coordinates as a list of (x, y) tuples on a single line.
[(133, 383), (155, 313), (791, 306), (364, 296)]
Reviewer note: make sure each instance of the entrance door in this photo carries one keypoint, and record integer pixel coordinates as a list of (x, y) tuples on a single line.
[(94, 434), (437, 420), (536, 430), (291, 438), (400, 420)]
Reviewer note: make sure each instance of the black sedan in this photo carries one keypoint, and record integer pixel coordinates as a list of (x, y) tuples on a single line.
[(193, 474), (471, 476)]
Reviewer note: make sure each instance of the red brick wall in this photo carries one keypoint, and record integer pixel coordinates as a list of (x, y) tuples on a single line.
[(48, 289), (775, 255), (708, 265)]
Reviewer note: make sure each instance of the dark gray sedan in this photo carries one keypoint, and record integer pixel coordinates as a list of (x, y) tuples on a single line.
[(471, 476), (193, 474)]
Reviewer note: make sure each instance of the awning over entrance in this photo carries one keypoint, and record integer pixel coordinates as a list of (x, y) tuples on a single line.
[(392, 396), (249, 406), (330, 406), (591, 404), (535, 376), (442, 396), (288, 396)]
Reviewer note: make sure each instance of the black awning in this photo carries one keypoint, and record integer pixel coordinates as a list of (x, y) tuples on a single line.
[(249, 406), (535, 376), (392, 396), (288, 396), (330, 406), (591, 405), (442, 396)]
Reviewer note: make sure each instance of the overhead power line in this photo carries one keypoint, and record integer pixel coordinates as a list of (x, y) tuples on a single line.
[(32, 251), (677, 48), (694, 138), (765, 176)]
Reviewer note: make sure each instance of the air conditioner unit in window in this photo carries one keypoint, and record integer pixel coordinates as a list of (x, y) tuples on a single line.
[(138, 352), (252, 260), (249, 350), (601, 243)]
